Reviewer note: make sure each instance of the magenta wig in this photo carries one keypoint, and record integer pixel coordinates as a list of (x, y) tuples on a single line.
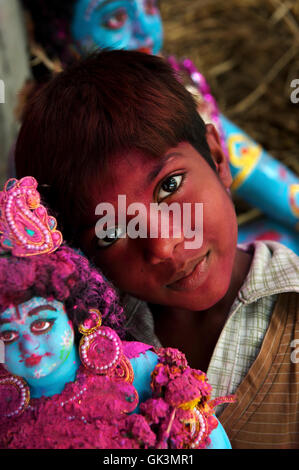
[(63, 275)]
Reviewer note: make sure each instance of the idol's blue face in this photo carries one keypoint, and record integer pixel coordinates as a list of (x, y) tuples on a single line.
[(118, 24), (38, 337)]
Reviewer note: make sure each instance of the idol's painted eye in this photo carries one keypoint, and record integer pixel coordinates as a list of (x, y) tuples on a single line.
[(112, 235), (170, 185), (116, 20), (150, 7), (8, 336), (39, 327)]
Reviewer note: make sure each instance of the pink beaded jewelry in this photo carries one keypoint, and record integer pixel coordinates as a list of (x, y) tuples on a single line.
[(14, 396), (25, 227), (101, 350), (200, 433), (100, 347)]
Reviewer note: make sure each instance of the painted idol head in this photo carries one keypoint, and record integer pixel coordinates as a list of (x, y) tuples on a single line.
[(117, 24)]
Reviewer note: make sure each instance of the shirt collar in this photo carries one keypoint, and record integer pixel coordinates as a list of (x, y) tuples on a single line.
[(274, 269)]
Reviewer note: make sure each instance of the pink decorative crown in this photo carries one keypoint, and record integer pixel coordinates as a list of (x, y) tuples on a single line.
[(25, 227)]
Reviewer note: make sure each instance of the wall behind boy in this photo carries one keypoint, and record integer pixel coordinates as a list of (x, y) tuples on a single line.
[(13, 71)]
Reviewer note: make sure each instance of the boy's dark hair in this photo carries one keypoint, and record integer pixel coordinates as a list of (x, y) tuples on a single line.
[(105, 105)]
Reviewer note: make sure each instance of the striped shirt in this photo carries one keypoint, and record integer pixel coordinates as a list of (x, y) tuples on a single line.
[(266, 412), (274, 270)]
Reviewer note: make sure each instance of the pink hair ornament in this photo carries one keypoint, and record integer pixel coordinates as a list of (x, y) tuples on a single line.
[(25, 227)]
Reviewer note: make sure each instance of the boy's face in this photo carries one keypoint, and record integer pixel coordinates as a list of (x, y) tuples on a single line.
[(162, 270)]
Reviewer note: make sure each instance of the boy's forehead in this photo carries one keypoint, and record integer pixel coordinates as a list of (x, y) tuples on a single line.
[(125, 173), (125, 166), (135, 165), (143, 161)]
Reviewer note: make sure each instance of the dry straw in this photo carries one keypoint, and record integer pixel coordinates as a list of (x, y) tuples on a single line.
[(249, 52)]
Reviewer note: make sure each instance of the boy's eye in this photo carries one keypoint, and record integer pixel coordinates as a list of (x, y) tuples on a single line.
[(9, 336), (41, 326), (150, 7), (111, 236), (170, 185), (116, 20)]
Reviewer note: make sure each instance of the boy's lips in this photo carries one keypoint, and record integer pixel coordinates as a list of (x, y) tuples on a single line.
[(193, 277)]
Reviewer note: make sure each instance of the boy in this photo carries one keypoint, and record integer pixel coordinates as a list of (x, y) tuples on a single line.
[(120, 124)]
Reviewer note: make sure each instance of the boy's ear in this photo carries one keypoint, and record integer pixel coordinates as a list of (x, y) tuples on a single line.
[(220, 159)]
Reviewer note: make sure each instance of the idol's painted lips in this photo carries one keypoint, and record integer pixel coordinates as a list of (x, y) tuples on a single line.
[(33, 360), (146, 50), (191, 279)]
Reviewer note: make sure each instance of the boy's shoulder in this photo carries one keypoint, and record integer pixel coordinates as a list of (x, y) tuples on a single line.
[(274, 270)]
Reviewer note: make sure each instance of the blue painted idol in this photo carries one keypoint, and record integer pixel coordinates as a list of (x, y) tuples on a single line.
[(39, 344), (118, 24)]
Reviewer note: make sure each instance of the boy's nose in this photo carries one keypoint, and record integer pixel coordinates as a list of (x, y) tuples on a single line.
[(165, 235), (160, 249)]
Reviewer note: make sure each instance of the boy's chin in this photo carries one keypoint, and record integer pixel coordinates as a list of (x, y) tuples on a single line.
[(203, 298), (196, 300), (199, 302)]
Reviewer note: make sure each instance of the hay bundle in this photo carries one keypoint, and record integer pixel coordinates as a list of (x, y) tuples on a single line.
[(249, 52)]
